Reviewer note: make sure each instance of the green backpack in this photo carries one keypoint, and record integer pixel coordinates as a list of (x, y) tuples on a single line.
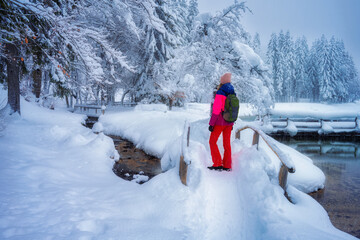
[(231, 109)]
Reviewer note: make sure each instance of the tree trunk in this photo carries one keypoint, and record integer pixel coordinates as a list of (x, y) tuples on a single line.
[(123, 96), (71, 101), (37, 82), (13, 77), (67, 101), (46, 87), (110, 95)]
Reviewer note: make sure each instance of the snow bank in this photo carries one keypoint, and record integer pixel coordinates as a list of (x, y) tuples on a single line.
[(56, 182), (98, 127)]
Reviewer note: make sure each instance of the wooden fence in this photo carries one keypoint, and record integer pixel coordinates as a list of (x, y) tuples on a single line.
[(310, 124), (90, 110)]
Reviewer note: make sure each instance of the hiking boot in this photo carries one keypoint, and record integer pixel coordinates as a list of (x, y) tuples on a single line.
[(219, 168), (226, 169)]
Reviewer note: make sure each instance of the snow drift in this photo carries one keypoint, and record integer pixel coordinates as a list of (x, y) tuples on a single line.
[(56, 183)]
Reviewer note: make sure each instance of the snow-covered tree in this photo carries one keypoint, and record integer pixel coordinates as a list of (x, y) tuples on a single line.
[(193, 12), (323, 73), (273, 59), (256, 44), (76, 42), (219, 44), (313, 72), (335, 70), (287, 66), (301, 55), (160, 43)]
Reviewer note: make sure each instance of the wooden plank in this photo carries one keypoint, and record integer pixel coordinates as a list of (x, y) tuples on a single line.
[(183, 170)]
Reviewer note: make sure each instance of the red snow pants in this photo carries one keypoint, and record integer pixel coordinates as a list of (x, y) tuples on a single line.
[(215, 153)]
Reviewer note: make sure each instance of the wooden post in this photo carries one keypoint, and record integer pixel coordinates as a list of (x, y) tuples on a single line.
[(183, 165), (283, 177), (355, 153), (256, 139), (237, 135), (183, 170)]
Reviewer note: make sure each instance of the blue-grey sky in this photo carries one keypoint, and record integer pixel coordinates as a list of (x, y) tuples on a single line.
[(311, 18)]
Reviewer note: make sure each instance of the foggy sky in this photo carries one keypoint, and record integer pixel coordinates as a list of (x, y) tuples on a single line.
[(311, 18)]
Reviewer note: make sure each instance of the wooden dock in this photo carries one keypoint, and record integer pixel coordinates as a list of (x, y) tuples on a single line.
[(310, 128)]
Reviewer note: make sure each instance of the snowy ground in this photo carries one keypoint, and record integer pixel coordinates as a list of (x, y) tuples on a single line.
[(56, 182)]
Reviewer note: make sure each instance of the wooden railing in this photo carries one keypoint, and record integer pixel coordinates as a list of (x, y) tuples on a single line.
[(287, 166), (310, 124), (86, 109), (124, 104)]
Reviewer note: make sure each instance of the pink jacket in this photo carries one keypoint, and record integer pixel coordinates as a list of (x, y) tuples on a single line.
[(219, 105)]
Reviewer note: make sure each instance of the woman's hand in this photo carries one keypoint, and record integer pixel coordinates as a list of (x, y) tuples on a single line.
[(211, 128)]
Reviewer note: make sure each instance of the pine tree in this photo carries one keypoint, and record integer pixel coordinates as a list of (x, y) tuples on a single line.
[(256, 44), (283, 66), (273, 59), (313, 70), (301, 77), (193, 12), (326, 72)]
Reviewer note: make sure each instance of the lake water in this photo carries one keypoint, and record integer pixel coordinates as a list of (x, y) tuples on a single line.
[(340, 162)]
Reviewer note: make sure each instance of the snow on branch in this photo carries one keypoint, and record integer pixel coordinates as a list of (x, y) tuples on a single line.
[(157, 23)]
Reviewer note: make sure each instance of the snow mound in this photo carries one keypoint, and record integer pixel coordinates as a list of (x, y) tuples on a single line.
[(98, 127), (291, 128), (325, 128)]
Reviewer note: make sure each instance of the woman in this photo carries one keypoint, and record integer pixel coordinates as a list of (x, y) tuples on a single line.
[(218, 125)]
